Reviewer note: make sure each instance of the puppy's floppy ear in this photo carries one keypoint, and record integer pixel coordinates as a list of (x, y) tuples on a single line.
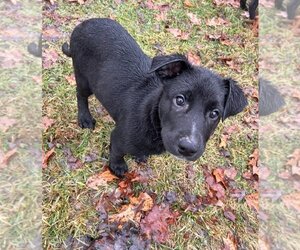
[(235, 100), (169, 66)]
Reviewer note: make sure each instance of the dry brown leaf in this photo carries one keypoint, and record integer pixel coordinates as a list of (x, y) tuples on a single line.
[(292, 200), (223, 143), (47, 122), (233, 3), (77, 1), (100, 179), (230, 173), (217, 21), (188, 3), (127, 213), (179, 33), (46, 157), (10, 58), (252, 201), (14, 2), (194, 19), (230, 243), (219, 174), (144, 201), (228, 213), (4, 158), (6, 123), (155, 224), (71, 79), (49, 58), (194, 58)]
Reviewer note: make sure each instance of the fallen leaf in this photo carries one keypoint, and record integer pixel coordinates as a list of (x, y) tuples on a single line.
[(47, 122), (194, 19), (100, 179), (219, 175), (5, 157), (179, 33), (230, 243), (132, 211), (268, 193), (72, 162), (234, 65), (14, 2), (285, 175), (10, 58), (264, 173), (223, 142), (88, 158), (292, 200), (233, 3), (229, 215), (46, 157), (188, 3), (77, 1), (170, 197), (6, 123), (230, 173), (51, 33), (194, 58), (71, 79), (217, 21), (294, 158), (50, 57), (190, 172), (252, 201), (156, 223), (127, 213), (238, 194), (144, 202)]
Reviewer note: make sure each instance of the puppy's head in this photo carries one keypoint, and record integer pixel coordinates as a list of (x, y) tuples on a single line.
[(193, 102)]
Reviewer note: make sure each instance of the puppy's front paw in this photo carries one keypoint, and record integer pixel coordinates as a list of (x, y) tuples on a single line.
[(118, 170), (86, 122), (141, 159)]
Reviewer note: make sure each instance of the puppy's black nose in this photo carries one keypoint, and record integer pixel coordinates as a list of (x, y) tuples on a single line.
[(187, 147)]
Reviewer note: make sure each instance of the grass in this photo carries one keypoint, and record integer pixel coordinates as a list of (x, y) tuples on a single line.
[(279, 47), (68, 205), (21, 100)]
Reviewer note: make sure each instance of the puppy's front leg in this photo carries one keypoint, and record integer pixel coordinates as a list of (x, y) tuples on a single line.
[(117, 164), (85, 119)]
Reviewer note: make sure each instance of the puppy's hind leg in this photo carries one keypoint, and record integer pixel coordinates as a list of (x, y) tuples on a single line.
[(252, 9), (85, 119), (279, 5), (243, 5), (292, 8), (117, 164)]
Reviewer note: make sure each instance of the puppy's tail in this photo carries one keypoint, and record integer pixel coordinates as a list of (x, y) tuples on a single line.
[(66, 49)]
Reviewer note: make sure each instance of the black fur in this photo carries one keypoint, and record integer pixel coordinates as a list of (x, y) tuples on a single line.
[(291, 7), (270, 100), (143, 95), (252, 7), (35, 49)]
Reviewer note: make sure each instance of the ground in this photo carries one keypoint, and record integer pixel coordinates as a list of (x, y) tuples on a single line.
[(209, 204)]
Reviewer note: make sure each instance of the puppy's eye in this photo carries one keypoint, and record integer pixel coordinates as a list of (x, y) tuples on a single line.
[(214, 114), (180, 100)]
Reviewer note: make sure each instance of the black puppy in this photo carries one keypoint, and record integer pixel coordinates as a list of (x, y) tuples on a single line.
[(158, 104)]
